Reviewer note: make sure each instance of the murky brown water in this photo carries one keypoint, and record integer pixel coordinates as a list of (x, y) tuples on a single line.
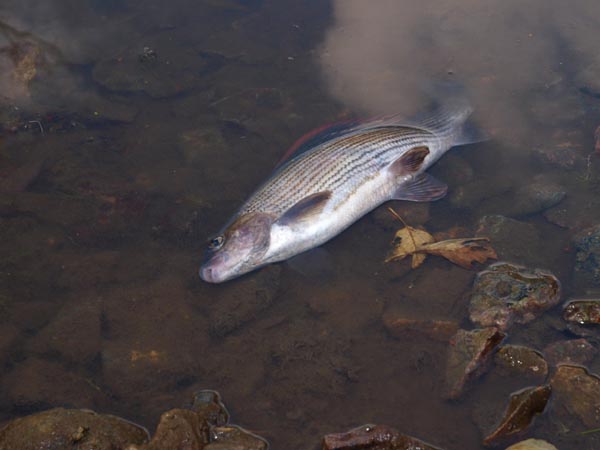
[(131, 130)]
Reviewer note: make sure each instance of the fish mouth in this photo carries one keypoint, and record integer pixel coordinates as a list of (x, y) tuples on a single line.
[(209, 275), (215, 268)]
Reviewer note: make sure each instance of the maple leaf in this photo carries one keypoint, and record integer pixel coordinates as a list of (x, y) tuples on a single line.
[(410, 241)]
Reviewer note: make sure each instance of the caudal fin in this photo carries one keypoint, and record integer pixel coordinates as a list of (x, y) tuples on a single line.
[(450, 114)]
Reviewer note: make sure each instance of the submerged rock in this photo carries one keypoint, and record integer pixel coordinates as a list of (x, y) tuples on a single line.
[(516, 360), (512, 239), (244, 301), (535, 196), (208, 405), (234, 438), (564, 150), (373, 437), (522, 408), (532, 444), (574, 351), (469, 357), (471, 194), (506, 294), (160, 69), (582, 312), (587, 262), (71, 429), (204, 427), (576, 398)]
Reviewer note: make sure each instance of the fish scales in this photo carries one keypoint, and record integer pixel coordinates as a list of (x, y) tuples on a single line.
[(333, 165)]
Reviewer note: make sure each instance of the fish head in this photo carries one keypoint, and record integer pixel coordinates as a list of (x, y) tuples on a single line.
[(239, 249)]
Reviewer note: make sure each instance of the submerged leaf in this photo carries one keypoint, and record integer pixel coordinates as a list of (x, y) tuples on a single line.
[(408, 241), (463, 252)]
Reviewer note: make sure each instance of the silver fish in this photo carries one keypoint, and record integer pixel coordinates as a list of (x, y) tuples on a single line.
[(325, 187)]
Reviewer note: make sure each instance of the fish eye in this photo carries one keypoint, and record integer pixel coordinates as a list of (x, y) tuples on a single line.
[(216, 243)]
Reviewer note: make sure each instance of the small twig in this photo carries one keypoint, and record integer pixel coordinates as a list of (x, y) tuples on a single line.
[(593, 430), (397, 216), (39, 124)]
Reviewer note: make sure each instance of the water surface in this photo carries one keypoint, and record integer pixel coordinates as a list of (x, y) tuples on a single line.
[(130, 131)]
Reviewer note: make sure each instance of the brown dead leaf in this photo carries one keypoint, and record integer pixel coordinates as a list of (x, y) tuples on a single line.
[(408, 241), (463, 252)]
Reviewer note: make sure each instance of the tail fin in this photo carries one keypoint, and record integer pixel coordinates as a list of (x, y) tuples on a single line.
[(449, 114)]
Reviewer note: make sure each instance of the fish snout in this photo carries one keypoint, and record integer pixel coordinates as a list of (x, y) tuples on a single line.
[(206, 273), (214, 269)]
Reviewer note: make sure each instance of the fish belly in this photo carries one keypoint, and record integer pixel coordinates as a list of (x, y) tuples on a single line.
[(345, 209)]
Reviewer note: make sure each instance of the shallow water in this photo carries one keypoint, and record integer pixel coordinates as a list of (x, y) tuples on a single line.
[(130, 131)]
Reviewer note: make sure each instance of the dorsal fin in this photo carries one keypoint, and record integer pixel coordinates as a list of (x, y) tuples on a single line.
[(305, 209), (318, 136)]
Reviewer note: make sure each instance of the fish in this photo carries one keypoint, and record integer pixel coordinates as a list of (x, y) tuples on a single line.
[(331, 179)]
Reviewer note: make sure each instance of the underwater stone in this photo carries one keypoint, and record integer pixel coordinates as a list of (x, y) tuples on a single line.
[(576, 398), (582, 312), (573, 351), (469, 357), (70, 429), (373, 437), (519, 361), (512, 239), (587, 262), (506, 294), (532, 444)]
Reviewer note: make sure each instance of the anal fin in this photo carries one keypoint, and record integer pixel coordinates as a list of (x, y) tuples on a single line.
[(422, 188)]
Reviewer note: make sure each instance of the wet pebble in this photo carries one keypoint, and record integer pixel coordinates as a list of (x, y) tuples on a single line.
[(582, 312), (587, 262), (576, 398), (208, 405), (373, 437), (70, 428), (522, 362), (506, 294), (469, 356), (573, 351), (532, 444)]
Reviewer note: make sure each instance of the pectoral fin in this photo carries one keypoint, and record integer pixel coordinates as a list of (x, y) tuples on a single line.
[(305, 209), (422, 188), (411, 161)]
